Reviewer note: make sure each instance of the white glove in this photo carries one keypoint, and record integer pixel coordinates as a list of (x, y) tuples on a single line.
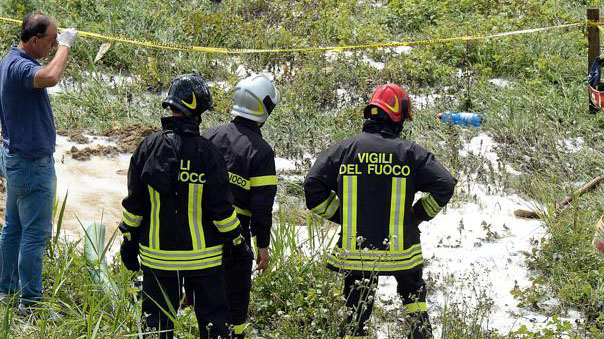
[(67, 37)]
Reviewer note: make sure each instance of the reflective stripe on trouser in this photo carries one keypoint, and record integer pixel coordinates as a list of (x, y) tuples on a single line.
[(181, 260), (376, 260), (349, 212), (195, 216), (415, 307), (239, 330), (154, 218)]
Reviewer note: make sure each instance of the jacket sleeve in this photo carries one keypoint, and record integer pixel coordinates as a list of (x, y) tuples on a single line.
[(263, 188), (135, 205), (432, 178), (217, 197), (321, 185)]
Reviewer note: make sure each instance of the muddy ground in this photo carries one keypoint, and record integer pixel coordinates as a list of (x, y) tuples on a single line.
[(127, 139)]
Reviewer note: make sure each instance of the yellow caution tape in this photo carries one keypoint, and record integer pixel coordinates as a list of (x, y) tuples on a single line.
[(217, 50)]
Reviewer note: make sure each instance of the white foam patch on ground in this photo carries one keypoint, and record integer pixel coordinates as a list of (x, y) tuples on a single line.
[(373, 63), (96, 187), (223, 85), (423, 101), (500, 82), (108, 79), (333, 55), (276, 72), (573, 144), (283, 164), (483, 145)]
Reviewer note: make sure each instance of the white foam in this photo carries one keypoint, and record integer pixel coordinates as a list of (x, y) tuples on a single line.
[(500, 82)]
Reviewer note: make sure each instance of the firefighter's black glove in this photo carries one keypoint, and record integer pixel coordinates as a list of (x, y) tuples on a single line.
[(129, 250), (240, 251), (129, 254)]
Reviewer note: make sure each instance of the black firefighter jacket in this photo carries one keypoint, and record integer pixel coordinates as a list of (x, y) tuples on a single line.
[(179, 207), (251, 164), (367, 183)]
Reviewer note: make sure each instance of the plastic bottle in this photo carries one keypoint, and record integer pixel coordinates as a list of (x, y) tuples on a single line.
[(461, 118)]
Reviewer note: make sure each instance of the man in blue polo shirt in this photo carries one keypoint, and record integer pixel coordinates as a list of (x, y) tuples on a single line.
[(26, 161)]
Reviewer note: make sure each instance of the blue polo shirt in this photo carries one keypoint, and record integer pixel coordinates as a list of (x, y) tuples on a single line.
[(28, 126)]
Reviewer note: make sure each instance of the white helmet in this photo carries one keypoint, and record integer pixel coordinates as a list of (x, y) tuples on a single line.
[(255, 98)]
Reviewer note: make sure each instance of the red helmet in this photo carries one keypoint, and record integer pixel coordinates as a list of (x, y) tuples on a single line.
[(393, 100), (596, 88)]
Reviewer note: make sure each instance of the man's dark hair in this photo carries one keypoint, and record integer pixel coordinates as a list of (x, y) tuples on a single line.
[(34, 24)]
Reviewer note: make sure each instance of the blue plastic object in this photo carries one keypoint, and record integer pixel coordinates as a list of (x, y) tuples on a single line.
[(461, 118)]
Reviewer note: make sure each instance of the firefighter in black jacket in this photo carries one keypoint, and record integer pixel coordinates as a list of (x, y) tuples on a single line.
[(251, 164), (179, 213), (367, 183)]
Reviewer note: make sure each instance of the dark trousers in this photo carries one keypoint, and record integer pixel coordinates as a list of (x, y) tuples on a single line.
[(162, 295), (238, 278), (360, 290)]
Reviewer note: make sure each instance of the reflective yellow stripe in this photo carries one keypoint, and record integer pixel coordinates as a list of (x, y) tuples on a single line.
[(238, 180), (130, 219), (328, 207), (184, 265), (376, 260), (180, 254), (332, 208), (128, 236), (155, 206), (254, 246), (263, 180), (195, 216), (382, 255), (228, 224), (397, 214), (322, 207), (242, 211), (239, 329), (375, 264), (431, 206), (416, 307), (349, 212)]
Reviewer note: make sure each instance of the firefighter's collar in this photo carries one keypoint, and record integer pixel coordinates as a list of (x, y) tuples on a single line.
[(247, 123), (383, 128), (183, 124)]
